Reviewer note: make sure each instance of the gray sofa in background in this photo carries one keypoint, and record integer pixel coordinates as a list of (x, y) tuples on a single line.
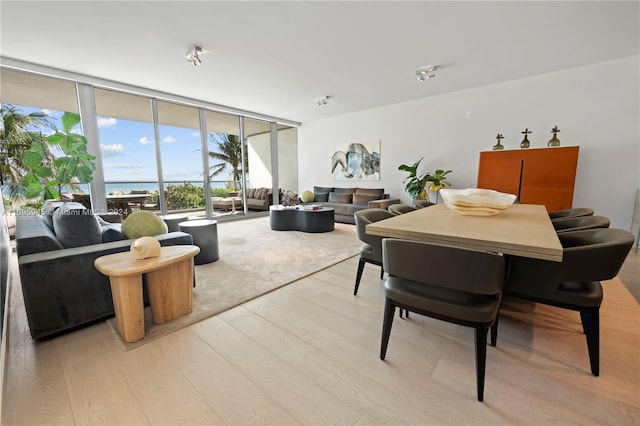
[(61, 287), (347, 201)]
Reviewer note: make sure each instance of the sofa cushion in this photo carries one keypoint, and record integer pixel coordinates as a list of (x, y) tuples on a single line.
[(363, 199), (75, 226), (379, 193), (48, 208), (344, 190), (110, 231), (322, 189), (308, 197), (340, 198), (143, 224), (321, 197), (251, 192)]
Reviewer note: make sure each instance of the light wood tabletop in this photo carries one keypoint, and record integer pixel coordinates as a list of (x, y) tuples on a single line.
[(521, 230)]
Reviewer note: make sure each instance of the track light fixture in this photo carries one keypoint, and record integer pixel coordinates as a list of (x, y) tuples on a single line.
[(426, 73), (194, 57), (320, 102)]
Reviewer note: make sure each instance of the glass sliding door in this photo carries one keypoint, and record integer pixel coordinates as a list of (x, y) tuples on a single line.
[(259, 174), (225, 155), (128, 150), (182, 159), (288, 159)]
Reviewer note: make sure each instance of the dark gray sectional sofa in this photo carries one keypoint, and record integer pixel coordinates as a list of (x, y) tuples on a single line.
[(347, 201), (62, 289)]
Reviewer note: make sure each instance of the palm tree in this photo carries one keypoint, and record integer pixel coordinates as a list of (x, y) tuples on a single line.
[(229, 153), (18, 133)]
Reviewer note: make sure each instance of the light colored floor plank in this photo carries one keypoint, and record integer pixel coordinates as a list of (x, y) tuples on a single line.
[(302, 398), (308, 354)]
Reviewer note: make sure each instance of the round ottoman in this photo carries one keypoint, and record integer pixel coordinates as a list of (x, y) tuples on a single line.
[(205, 236)]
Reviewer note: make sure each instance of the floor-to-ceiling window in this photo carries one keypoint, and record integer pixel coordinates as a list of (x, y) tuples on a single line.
[(288, 158), (258, 144), (181, 153), (35, 104), (167, 158), (226, 165), (127, 147)]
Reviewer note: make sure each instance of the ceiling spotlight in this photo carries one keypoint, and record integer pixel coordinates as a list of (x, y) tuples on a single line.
[(322, 101), (426, 73), (194, 57)]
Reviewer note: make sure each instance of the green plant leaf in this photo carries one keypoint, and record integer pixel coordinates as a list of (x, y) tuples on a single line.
[(35, 189), (56, 138), (69, 121), (32, 159)]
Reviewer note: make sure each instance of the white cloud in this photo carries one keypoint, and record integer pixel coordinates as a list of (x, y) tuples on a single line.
[(145, 140), (111, 166), (107, 122), (195, 134), (169, 139), (112, 150)]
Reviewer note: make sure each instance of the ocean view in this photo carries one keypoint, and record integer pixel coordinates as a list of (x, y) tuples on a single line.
[(127, 187)]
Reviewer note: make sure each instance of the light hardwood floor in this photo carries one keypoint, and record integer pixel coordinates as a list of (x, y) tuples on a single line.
[(308, 354)]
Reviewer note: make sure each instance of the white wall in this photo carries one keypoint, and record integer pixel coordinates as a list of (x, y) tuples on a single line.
[(596, 107)]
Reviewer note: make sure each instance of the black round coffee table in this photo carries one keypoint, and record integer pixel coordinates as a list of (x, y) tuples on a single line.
[(301, 219)]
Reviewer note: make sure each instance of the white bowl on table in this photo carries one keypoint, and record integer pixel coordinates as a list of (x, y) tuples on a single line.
[(476, 201)]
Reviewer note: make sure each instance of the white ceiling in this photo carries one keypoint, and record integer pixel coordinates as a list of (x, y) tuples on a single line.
[(276, 58)]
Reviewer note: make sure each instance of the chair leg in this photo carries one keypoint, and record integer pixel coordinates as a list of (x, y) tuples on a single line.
[(494, 331), (591, 326), (389, 310), (481, 359), (358, 275)]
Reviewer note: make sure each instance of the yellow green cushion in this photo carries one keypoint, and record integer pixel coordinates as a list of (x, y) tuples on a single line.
[(143, 224), (307, 197)]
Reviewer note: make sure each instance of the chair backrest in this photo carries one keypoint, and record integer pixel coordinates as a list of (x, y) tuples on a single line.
[(588, 255), (579, 211), (365, 217), (580, 222), (594, 254), (419, 204), (397, 209), (450, 267)]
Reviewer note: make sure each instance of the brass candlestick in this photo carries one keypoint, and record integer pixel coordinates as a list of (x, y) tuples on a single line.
[(554, 141)]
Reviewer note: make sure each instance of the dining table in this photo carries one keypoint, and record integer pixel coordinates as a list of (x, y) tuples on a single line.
[(520, 230), (117, 203)]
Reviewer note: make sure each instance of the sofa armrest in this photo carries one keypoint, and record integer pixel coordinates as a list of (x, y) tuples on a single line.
[(384, 203), (62, 289)]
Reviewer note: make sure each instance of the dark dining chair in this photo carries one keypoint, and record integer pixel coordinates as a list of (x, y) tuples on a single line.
[(580, 222), (462, 287), (419, 204), (371, 252), (577, 212), (398, 209), (589, 256)]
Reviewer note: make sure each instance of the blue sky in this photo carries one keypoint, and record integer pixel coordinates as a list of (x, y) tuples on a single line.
[(128, 150)]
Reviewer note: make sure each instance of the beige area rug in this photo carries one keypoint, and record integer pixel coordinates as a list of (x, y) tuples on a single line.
[(253, 261)]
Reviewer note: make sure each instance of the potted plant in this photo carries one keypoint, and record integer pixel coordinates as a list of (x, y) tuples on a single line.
[(416, 185), (438, 181), (45, 179)]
